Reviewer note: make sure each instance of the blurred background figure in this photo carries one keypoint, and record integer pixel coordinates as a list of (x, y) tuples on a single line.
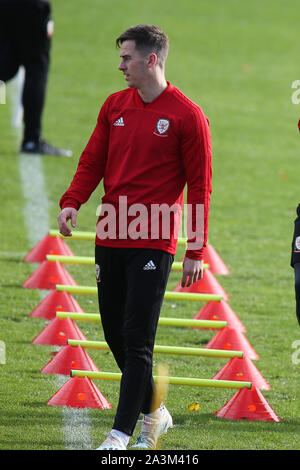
[(295, 261), (26, 29)]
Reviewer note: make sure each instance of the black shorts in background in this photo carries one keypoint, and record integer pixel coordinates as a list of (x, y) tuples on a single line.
[(24, 36)]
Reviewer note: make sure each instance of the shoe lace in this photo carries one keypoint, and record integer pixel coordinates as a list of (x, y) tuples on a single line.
[(149, 431), (112, 440)]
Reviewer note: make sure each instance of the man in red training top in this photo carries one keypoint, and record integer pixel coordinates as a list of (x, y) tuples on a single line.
[(150, 140)]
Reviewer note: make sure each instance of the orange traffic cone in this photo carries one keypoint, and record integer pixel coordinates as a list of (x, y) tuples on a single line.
[(242, 369), (58, 331), (79, 392), (216, 265), (69, 357), (207, 285), (231, 339), (48, 246), (220, 311), (248, 404), (54, 302), (48, 275)]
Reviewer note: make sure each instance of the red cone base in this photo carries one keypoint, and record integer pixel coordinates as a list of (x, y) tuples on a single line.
[(220, 311), (47, 275), (216, 265), (55, 301), (207, 285), (248, 404), (48, 246), (69, 357), (79, 392), (58, 332), (231, 339), (242, 369)]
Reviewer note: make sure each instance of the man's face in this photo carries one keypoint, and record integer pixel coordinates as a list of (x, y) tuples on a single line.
[(133, 64)]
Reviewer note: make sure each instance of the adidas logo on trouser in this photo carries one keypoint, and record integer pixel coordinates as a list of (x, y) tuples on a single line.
[(149, 265)]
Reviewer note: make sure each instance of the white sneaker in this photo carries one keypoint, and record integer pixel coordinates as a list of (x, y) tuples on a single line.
[(153, 428), (112, 442)]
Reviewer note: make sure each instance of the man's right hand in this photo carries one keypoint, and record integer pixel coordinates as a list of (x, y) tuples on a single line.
[(68, 213)]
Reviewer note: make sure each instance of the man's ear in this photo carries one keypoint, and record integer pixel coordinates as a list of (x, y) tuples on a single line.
[(152, 60)]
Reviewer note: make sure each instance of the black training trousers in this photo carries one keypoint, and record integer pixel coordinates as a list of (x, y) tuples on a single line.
[(295, 261), (297, 290), (24, 40), (131, 287)]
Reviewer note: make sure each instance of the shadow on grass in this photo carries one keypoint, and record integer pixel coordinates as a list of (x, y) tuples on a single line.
[(12, 285), (212, 422)]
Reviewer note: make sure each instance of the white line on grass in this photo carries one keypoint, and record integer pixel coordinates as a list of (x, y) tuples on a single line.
[(17, 96), (76, 422), (8, 254)]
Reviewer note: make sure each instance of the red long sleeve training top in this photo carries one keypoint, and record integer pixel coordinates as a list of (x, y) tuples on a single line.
[(146, 153)]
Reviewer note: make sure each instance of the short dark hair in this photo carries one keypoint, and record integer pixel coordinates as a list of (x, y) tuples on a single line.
[(148, 38)]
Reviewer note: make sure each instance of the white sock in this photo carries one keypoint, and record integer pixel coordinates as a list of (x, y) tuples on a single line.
[(125, 438), (156, 413)]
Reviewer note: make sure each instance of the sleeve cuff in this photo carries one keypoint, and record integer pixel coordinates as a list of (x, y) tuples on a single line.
[(196, 255), (70, 203)]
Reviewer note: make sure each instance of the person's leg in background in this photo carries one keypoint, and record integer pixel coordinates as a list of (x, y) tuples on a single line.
[(295, 261), (25, 39), (36, 60), (35, 29), (297, 290)]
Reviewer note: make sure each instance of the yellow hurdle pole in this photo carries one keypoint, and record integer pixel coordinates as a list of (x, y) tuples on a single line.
[(78, 235), (165, 321), (177, 350), (90, 260), (85, 260), (171, 380), (90, 236), (169, 295)]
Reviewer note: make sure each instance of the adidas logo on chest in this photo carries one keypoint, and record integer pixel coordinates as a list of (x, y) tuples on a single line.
[(119, 122)]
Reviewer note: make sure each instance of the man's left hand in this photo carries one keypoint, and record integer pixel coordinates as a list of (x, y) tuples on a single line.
[(192, 271)]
